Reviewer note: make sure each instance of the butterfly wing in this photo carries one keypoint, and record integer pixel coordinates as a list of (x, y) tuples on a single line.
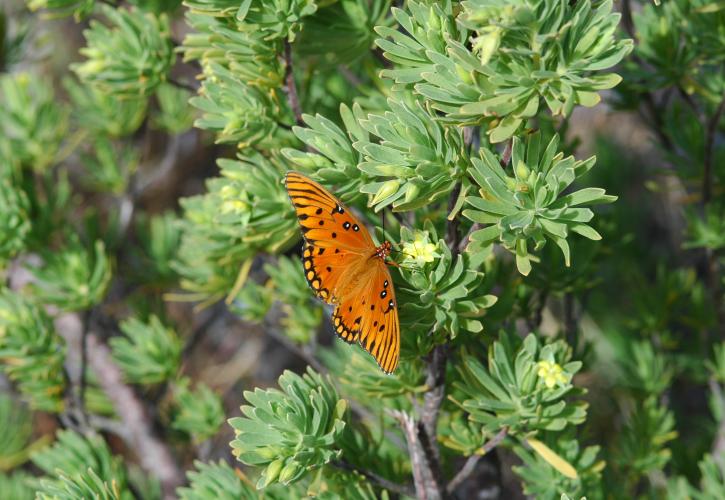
[(325, 222), (370, 317), (336, 243), (341, 267)]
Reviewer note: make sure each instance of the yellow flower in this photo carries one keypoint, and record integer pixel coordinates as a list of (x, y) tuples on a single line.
[(421, 250), (234, 207), (552, 374)]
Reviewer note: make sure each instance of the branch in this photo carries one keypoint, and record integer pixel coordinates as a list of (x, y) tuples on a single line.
[(155, 457), (426, 487), (82, 379), (718, 447), (423, 444), (191, 88), (470, 464), (710, 132), (292, 97), (402, 490), (712, 271)]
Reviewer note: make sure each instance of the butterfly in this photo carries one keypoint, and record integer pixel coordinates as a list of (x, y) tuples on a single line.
[(345, 268)]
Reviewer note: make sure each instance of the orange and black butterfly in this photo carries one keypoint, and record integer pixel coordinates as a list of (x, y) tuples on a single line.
[(345, 268)]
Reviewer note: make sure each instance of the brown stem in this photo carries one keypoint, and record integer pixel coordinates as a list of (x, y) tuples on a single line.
[(710, 132), (292, 97), (426, 486), (155, 457), (712, 267), (183, 85), (470, 464), (718, 446), (506, 155), (627, 20), (82, 379), (452, 236)]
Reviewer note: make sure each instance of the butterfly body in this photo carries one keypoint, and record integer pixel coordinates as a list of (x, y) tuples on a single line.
[(345, 268)]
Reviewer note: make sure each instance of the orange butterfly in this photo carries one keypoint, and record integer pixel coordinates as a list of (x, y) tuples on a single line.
[(345, 268)]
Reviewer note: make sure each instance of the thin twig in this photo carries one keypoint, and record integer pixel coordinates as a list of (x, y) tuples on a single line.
[(627, 21), (400, 489), (425, 485), (506, 155), (183, 85), (712, 266), (155, 457), (289, 78), (472, 461), (348, 75), (710, 132), (718, 446), (452, 237), (292, 346), (109, 425), (82, 379)]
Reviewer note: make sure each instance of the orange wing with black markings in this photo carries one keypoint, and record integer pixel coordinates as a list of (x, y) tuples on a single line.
[(344, 267)]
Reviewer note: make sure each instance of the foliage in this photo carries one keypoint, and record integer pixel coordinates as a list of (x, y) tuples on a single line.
[(148, 353), (200, 411), (215, 480), (74, 278), (32, 123), (522, 52), (542, 479), (15, 433), (31, 351), (289, 431), (15, 225), (516, 390), (528, 206), (129, 58), (81, 466), (450, 291)]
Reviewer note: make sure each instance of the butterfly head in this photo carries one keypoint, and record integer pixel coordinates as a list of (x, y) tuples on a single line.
[(383, 250)]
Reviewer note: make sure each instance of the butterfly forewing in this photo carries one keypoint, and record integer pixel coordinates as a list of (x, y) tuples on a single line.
[(325, 222), (342, 267)]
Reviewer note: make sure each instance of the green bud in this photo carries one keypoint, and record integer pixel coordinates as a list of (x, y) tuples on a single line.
[(522, 171), (273, 471), (411, 191), (288, 472), (388, 188), (486, 44)]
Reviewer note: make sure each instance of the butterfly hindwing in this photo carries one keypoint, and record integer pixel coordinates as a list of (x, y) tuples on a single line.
[(326, 268), (370, 317)]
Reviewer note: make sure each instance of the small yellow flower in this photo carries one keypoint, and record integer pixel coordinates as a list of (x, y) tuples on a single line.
[(234, 206), (552, 374), (421, 250)]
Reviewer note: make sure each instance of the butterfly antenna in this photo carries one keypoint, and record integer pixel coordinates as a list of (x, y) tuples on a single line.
[(382, 220)]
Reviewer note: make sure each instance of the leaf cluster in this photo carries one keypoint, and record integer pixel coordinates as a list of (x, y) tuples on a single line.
[(290, 431)]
